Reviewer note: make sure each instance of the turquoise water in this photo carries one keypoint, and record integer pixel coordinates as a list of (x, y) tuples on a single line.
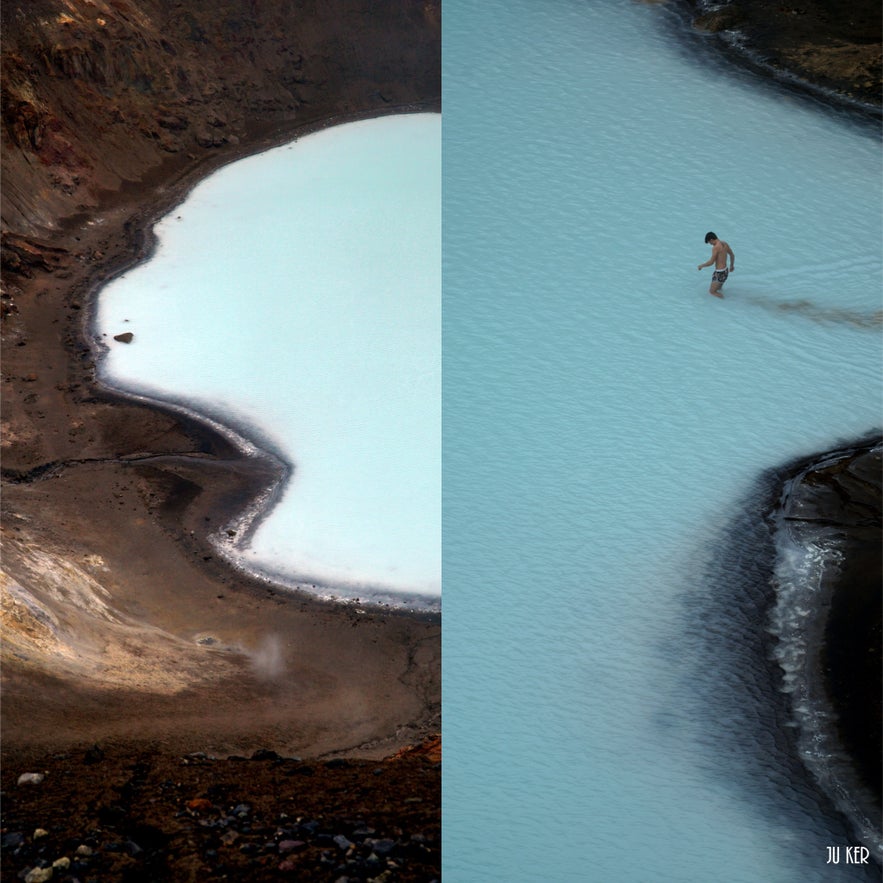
[(606, 421), (296, 295)]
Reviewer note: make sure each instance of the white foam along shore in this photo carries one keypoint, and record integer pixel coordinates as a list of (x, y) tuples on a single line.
[(390, 303)]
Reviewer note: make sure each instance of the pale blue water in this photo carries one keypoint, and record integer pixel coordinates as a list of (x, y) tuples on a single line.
[(296, 295), (606, 424)]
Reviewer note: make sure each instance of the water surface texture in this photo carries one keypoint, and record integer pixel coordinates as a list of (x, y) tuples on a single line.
[(607, 424), (296, 295)]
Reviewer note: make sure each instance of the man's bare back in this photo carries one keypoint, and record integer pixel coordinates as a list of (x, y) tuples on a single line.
[(720, 250)]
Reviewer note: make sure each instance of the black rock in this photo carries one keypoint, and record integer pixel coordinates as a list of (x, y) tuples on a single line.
[(264, 754), (111, 815), (12, 840), (93, 755), (342, 842), (336, 763)]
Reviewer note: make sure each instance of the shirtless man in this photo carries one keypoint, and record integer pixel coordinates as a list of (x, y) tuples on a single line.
[(719, 252)]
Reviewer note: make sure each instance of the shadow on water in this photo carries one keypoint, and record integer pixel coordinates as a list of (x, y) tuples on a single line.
[(807, 309), (744, 731)]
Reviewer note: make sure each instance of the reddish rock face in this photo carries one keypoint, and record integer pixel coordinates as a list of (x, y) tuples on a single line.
[(101, 95)]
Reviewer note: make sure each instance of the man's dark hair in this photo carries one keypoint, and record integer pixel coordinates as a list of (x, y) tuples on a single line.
[(710, 236)]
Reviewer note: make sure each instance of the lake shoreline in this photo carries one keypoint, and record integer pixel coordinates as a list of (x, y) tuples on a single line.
[(217, 434), (157, 643), (231, 531), (210, 474)]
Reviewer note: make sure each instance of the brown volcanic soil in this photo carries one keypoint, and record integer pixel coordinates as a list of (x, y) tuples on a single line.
[(121, 626)]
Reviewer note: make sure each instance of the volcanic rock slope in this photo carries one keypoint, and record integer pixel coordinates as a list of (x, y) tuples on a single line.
[(100, 94), (119, 619)]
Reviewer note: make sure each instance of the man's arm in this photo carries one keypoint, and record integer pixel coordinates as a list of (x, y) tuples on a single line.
[(732, 257), (714, 250)]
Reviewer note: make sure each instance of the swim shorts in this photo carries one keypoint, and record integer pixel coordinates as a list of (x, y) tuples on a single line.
[(720, 275)]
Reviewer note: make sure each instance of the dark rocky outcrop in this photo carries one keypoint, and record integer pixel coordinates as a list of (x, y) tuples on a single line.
[(23, 256), (847, 494), (826, 44), (829, 617)]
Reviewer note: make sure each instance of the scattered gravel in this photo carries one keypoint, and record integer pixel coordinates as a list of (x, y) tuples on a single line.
[(147, 816)]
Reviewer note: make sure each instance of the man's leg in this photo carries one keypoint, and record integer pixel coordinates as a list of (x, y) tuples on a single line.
[(716, 289)]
